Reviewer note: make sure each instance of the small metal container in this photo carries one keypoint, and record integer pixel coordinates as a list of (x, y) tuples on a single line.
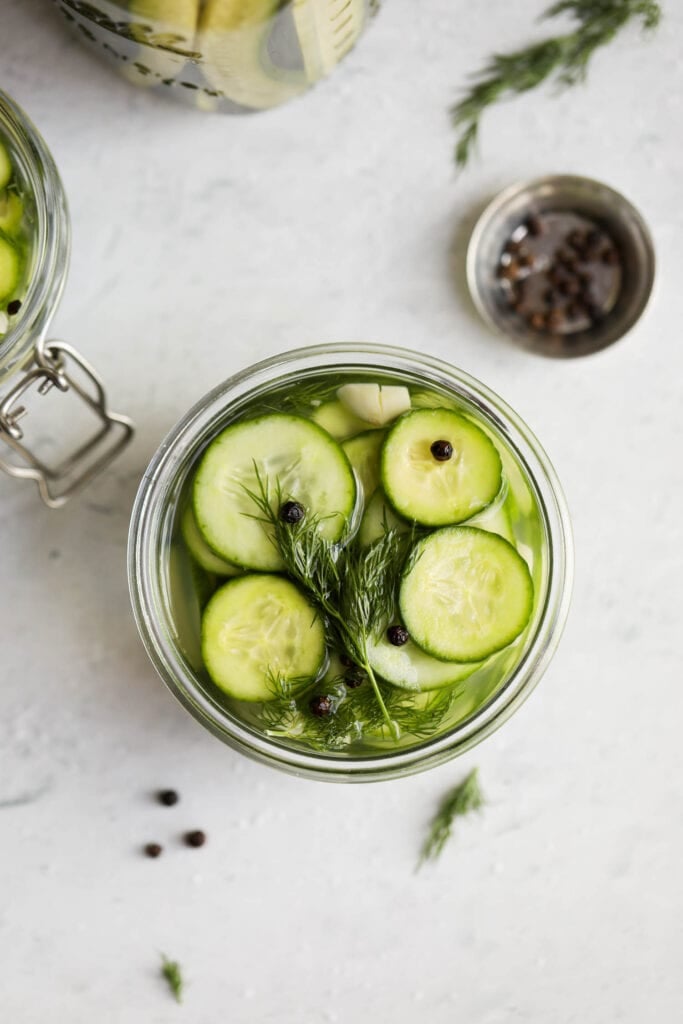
[(568, 200)]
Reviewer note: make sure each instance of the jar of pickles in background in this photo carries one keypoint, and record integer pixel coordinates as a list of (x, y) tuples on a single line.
[(230, 55), (34, 259)]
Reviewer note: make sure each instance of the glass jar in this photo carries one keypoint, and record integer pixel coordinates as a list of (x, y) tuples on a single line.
[(153, 582), (30, 365), (230, 55)]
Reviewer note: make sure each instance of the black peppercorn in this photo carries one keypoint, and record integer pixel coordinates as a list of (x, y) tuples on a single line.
[(554, 320), (509, 271), (398, 635), (346, 661), (442, 450), (320, 706), (168, 797), (153, 850), (13, 307), (196, 838), (537, 322), (292, 512), (576, 239), (534, 225), (610, 257), (354, 678)]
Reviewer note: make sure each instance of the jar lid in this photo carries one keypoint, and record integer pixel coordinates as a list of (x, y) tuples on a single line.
[(563, 265)]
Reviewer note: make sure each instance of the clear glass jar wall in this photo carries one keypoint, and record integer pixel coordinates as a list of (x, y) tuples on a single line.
[(230, 55), (169, 627)]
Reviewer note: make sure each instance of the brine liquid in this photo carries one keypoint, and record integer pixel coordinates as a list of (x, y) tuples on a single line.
[(234, 55), (17, 226), (189, 588)]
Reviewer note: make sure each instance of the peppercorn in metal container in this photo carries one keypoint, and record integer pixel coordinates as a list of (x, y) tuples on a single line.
[(563, 265), (34, 259)]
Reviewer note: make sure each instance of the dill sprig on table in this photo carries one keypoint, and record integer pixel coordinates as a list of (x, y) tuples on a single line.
[(353, 587), (564, 57), (464, 798), (170, 970)]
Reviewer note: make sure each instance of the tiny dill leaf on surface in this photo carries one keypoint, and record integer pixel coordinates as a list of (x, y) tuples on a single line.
[(462, 799), (565, 57), (170, 971)]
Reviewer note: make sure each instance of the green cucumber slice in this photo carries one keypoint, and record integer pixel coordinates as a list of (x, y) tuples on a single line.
[(411, 668), (339, 421), (495, 519), (287, 452), (363, 452), (439, 493), (10, 269), (258, 631), (379, 517), (200, 550), (11, 212), (466, 594), (6, 169)]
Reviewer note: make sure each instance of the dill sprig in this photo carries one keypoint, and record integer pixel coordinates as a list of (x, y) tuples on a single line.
[(353, 587), (355, 713), (463, 799), (564, 57), (170, 970)]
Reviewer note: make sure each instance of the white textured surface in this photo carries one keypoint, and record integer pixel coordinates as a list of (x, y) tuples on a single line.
[(199, 245)]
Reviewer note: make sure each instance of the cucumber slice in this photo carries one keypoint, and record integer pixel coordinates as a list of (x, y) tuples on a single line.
[(6, 169), (363, 452), (467, 594), (339, 421), (10, 268), (11, 212), (287, 452), (258, 630), (439, 493), (411, 668), (379, 517), (200, 550), (495, 519)]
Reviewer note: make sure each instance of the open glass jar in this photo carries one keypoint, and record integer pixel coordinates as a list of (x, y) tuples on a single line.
[(229, 55), (168, 596), (34, 260)]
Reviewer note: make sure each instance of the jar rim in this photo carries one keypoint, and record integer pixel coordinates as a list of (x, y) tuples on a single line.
[(167, 472), (50, 244)]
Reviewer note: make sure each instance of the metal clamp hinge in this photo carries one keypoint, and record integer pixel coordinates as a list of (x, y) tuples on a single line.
[(59, 483)]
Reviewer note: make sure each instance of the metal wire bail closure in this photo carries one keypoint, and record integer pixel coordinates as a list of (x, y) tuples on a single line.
[(51, 368)]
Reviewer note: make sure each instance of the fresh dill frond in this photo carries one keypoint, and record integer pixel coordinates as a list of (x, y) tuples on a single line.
[(300, 399), (564, 57), (464, 798), (352, 587), (170, 970)]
